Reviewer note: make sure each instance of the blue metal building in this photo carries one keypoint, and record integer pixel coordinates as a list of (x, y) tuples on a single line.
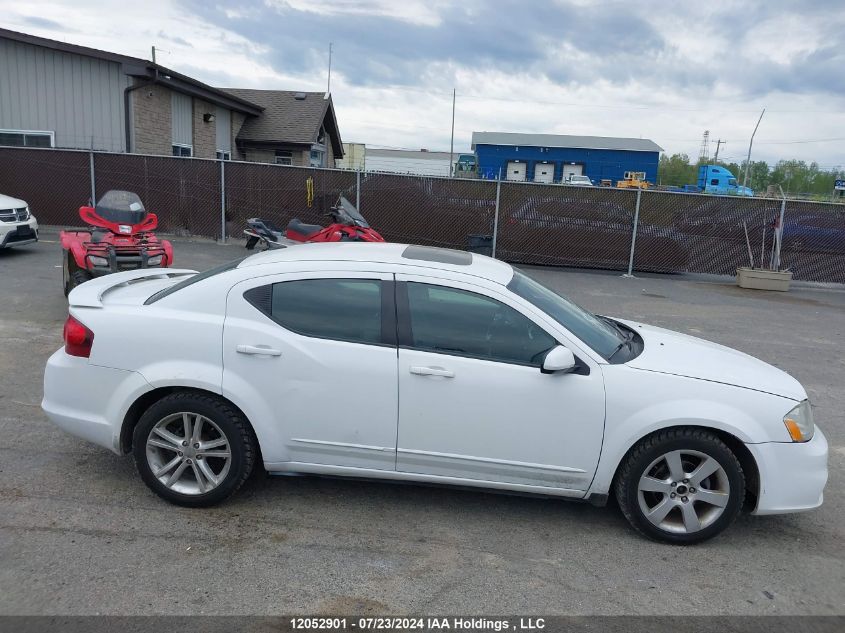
[(555, 157)]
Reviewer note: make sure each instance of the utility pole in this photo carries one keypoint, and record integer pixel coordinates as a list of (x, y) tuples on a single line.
[(452, 142), (154, 54), (718, 143), (329, 82), (748, 160)]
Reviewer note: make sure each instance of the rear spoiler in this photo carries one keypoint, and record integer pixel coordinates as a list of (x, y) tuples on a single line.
[(90, 294)]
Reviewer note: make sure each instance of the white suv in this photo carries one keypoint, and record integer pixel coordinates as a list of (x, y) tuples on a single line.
[(17, 225)]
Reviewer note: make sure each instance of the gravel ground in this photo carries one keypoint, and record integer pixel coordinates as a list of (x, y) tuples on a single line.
[(80, 534)]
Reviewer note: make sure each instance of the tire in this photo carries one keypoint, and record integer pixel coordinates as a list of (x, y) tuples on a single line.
[(78, 277), (664, 496), (251, 242), (193, 487)]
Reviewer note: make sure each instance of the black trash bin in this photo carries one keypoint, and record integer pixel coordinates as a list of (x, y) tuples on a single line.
[(481, 244)]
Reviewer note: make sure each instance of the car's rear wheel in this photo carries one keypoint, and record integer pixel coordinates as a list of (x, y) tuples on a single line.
[(194, 449), (680, 486)]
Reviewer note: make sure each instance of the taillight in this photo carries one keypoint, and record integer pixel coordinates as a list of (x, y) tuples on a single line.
[(78, 338)]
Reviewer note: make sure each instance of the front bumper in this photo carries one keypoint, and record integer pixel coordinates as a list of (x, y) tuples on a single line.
[(792, 474), (89, 401), (18, 233)]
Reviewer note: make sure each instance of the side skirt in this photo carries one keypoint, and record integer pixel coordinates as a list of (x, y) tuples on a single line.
[(301, 468)]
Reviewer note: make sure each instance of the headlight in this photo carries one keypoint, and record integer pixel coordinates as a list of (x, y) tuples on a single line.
[(154, 261), (98, 261), (799, 422)]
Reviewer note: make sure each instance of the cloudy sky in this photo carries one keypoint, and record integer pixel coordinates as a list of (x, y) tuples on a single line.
[(660, 70)]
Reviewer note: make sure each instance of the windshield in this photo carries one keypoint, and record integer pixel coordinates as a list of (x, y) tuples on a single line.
[(349, 214), (123, 207), (596, 332)]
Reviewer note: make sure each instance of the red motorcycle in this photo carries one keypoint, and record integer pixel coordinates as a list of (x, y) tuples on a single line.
[(348, 225), (119, 238)]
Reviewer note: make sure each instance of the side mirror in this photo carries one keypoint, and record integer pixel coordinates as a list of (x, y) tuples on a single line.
[(558, 359)]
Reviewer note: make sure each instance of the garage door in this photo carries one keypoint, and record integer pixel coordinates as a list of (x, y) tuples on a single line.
[(516, 171), (570, 170), (544, 172)]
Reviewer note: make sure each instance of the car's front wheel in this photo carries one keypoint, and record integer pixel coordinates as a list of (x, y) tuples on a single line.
[(194, 449), (680, 485)]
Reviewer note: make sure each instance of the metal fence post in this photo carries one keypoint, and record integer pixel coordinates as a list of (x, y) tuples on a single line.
[(496, 217), (93, 179), (222, 201), (358, 190), (634, 235), (779, 239)]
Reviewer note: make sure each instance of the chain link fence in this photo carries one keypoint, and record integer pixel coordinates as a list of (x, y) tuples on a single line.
[(185, 195), (565, 226), (429, 211), (526, 223), (54, 183)]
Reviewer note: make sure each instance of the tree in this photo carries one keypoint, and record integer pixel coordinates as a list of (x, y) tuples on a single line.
[(797, 177), (676, 170)]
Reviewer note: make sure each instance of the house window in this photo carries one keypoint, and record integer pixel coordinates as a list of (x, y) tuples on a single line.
[(26, 138), (223, 155), (183, 150), (284, 157), (317, 157)]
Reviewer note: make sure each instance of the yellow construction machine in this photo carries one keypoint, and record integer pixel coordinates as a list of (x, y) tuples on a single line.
[(634, 180)]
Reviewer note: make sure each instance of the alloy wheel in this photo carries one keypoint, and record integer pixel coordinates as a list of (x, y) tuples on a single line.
[(683, 491), (188, 453)]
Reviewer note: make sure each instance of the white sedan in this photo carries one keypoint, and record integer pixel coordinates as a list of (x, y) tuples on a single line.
[(420, 364)]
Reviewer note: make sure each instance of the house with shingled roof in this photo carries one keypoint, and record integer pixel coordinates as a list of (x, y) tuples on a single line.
[(294, 128), (56, 94)]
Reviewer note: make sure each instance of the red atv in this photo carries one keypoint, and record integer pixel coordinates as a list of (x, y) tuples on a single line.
[(118, 238), (348, 225)]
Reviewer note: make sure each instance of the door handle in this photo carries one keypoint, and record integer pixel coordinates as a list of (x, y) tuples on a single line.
[(432, 371), (258, 350)]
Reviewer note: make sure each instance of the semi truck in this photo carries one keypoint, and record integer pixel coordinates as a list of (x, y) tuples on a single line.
[(718, 180)]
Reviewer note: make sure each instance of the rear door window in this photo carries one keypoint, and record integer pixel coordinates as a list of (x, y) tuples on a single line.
[(339, 309)]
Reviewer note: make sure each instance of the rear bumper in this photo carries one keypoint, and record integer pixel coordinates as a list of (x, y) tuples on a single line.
[(89, 401), (792, 475)]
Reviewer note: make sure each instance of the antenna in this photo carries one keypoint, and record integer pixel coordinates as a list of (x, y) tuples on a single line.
[(704, 154), (154, 53), (329, 82)]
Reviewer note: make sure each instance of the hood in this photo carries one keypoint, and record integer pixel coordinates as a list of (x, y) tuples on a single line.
[(8, 202), (678, 354)]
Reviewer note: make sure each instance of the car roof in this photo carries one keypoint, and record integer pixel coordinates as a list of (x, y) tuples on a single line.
[(427, 257)]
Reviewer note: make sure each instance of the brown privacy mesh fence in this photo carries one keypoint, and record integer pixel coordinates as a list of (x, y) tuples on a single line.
[(54, 184), (702, 233), (814, 241), (279, 194), (537, 224), (428, 211), (565, 225), (184, 194)]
